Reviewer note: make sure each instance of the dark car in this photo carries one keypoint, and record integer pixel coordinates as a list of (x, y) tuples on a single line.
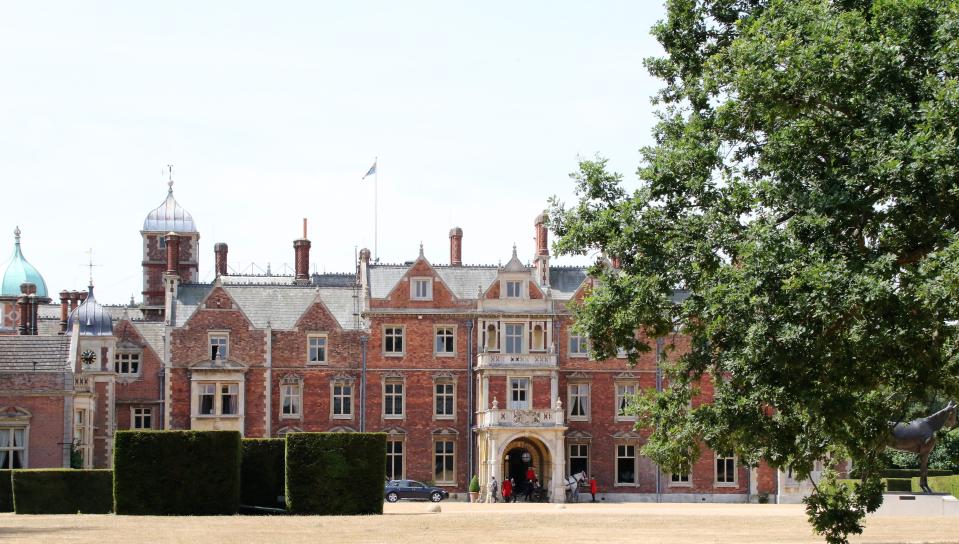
[(411, 489)]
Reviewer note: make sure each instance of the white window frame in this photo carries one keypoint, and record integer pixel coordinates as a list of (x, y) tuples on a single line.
[(394, 382), (416, 283), (214, 338), (717, 482), (680, 480), (449, 391), (575, 391), (391, 454), (390, 332), (628, 389), (137, 414), (293, 391), (513, 289), (448, 332), (527, 391), (581, 343), (446, 455), (217, 398), (345, 397), (10, 448), (127, 357), (569, 455), (318, 343), (520, 337), (617, 457)]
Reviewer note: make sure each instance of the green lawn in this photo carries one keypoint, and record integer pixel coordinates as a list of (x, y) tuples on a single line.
[(941, 484)]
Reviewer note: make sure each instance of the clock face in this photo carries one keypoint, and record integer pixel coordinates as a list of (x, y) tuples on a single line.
[(88, 357)]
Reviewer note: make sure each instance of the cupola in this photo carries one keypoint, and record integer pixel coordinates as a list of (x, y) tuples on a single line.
[(19, 271), (91, 317), (169, 217)]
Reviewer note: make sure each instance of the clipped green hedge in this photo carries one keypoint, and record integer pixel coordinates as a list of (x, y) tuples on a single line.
[(899, 484), (905, 473), (177, 472), (6, 491), (262, 472), (63, 491), (335, 473)]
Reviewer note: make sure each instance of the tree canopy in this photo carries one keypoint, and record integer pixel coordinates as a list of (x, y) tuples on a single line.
[(804, 188)]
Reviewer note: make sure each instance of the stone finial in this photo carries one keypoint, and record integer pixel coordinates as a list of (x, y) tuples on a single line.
[(495, 404), (559, 403), (421, 250), (16, 234)]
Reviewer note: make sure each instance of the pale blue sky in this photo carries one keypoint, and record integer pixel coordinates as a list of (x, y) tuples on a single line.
[(273, 111)]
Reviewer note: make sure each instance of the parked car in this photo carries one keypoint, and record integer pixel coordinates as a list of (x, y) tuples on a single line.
[(411, 489)]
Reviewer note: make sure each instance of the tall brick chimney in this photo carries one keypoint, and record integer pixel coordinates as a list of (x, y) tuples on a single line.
[(541, 259), (64, 310), (301, 253), (74, 300), (27, 307), (456, 246), (172, 254), (220, 250)]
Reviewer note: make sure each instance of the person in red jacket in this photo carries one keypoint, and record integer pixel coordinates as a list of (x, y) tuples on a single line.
[(592, 487), (507, 489), (530, 478)]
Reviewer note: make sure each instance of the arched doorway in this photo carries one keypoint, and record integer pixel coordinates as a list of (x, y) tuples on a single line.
[(519, 456)]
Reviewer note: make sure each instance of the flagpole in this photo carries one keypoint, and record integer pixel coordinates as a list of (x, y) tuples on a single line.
[(376, 209)]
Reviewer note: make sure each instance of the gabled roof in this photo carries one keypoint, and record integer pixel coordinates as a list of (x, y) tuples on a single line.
[(564, 282), (152, 333), (34, 353)]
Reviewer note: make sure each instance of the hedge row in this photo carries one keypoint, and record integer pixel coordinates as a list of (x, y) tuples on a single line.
[(62, 491), (335, 473), (262, 480), (177, 472), (905, 473), (6, 491), (899, 484)]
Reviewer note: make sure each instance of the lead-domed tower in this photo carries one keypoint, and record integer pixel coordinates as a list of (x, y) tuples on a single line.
[(16, 273), (168, 218)]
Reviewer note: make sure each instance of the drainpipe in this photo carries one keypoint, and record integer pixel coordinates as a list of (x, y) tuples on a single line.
[(470, 461), (659, 388), (363, 341)]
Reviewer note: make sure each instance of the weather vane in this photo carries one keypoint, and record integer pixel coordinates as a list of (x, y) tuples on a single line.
[(169, 173)]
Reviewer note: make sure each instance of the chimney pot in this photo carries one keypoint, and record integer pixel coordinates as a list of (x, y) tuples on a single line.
[(301, 253), (172, 253), (542, 235), (220, 250), (64, 310)]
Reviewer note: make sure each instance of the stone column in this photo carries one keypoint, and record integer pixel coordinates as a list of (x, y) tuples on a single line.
[(558, 473)]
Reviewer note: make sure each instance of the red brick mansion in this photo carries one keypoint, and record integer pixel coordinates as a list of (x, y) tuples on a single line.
[(468, 369)]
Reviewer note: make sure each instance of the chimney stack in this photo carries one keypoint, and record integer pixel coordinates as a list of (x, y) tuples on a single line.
[(64, 310), (82, 296), (301, 253), (220, 250), (74, 300), (456, 246), (27, 307), (542, 241), (23, 313), (172, 254)]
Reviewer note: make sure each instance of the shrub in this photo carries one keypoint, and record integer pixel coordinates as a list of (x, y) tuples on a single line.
[(177, 472), (63, 491), (899, 484), (262, 472), (474, 484), (335, 473), (6, 491)]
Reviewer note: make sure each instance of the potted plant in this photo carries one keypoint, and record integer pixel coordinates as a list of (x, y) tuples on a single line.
[(474, 489)]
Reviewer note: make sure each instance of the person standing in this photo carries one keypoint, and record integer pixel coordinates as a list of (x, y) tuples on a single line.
[(592, 487), (493, 490), (530, 478), (507, 490)]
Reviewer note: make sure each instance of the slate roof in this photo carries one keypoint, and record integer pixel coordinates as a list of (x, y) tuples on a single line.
[(564, 281), (19, 353), (152, 333), (280, 306)]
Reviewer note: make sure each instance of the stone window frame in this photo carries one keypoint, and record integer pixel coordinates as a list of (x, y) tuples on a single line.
[(326, 347), (12, 420), (582, 343), (129, 353), (671, 482), (578, 443), (522, 337), (146, 411), (446, 436), (617, 397), (342, 381), (436, 329), (402, 337), (217, 399), (616, 457), (519, 292), (569, 399), (295, 382), (444, 379), (210, 335), (397, 436), (725, 458), (421, 280), (394, 380)]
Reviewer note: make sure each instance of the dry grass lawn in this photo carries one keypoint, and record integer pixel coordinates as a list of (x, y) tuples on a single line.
[(461, 523)]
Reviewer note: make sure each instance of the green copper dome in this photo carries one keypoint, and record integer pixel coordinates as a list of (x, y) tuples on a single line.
[(20, 271)]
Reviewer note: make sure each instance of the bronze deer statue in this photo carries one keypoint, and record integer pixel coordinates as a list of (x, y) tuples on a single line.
[(919, 437)]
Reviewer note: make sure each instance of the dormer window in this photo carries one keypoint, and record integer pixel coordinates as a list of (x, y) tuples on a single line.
[(422, 289), (219, 346), (514, 289)]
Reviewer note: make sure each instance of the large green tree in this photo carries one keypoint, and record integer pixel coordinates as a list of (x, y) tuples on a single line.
[(804, 188)]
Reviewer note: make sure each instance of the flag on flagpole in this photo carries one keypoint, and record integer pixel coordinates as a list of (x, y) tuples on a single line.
[(371, 171)]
